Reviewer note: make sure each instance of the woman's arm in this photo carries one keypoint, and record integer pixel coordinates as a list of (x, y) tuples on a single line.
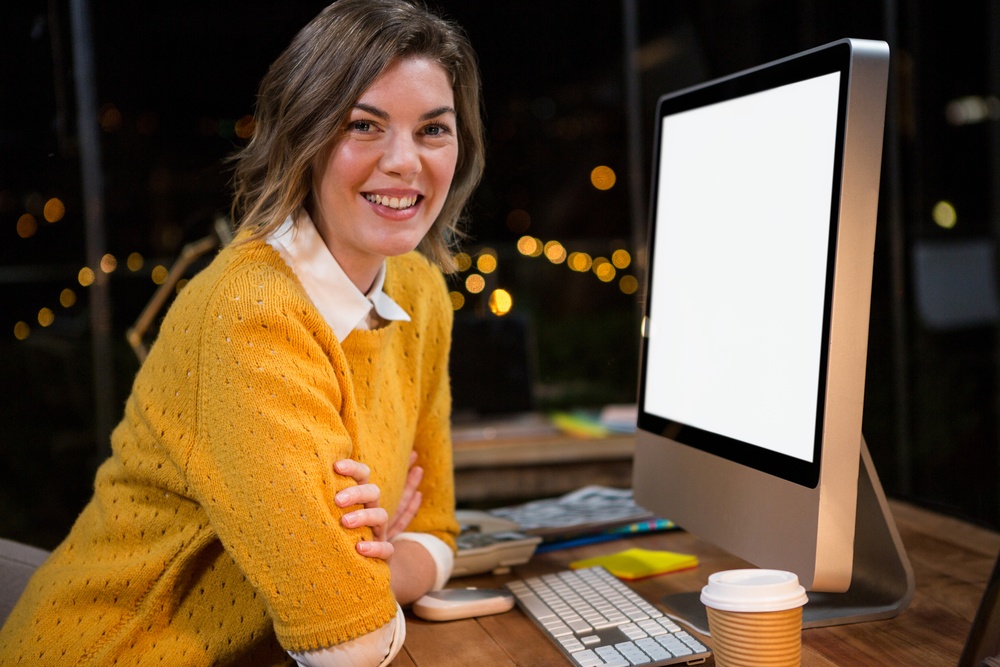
[(276, 410), (416, 569)]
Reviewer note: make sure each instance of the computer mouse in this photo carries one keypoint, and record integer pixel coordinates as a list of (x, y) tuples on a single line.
[(450, 604)]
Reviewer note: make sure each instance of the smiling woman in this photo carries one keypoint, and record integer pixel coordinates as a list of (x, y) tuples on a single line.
[(387, 176), (288, 432)]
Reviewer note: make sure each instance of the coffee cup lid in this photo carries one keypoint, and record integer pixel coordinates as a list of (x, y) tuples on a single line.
[(753, 590)]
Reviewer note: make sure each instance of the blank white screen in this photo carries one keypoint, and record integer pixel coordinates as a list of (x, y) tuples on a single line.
[(740, 264)]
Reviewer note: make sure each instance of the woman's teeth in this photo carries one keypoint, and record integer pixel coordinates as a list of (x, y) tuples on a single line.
[(392, 202)]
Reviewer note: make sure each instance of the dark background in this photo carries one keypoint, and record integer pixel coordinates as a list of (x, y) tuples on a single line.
[(173, 80)]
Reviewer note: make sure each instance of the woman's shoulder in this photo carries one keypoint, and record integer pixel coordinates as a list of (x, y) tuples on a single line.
[(245, 266), (246, 281)]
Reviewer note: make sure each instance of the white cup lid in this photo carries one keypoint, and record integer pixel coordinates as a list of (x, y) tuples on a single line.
[(753, 590)]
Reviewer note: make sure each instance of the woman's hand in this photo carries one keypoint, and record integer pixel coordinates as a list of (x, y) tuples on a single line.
[(373, 515), (409, 501)]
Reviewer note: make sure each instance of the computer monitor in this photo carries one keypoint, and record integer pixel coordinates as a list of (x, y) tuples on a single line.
[(754, 340)]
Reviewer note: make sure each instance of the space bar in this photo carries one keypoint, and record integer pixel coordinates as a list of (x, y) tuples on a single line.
[(535, 606)]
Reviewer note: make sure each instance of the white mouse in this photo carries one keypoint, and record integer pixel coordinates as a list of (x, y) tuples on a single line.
[(450, 604)]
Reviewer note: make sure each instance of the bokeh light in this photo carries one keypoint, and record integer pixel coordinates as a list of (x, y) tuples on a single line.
[(245, 127), (180, 285), (621, 258), (46, 317), (67, 298), (457, 300), (555, 252), (579, 261), (54, 210), (501, 302), (487, 262), (518, 221), (475, 283), (21, 330), (27, 225), (159, 274), (628, 284), (110, 118), (603, 269), (134, 261), (85, 277), (530, 246), (944, 214), (463, 261), (109, 263), (603, 177)]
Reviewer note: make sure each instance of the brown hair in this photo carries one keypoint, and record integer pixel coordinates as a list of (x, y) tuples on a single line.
[(308, 92)]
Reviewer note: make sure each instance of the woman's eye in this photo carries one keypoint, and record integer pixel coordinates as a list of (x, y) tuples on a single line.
[(361, 125), (436, 130)]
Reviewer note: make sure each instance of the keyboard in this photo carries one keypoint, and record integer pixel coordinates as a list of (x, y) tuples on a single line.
[(597, 620)]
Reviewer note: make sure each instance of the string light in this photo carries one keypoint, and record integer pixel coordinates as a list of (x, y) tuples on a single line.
[(85, 277), (603, 177), (555, 252), (159, 274), (108, 263), (134, 262), (463, 261), (27, 225), (475, 283), (487, 263), (54, 210), (628, 285), (500, 302)]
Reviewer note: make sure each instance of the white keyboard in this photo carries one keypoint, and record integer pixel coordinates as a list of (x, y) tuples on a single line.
[(597, 620)]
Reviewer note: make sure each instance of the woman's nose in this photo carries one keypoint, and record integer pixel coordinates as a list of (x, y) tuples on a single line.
[(401, 157)]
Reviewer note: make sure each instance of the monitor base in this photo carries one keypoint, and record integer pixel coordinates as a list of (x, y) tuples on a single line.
[(882, 584)]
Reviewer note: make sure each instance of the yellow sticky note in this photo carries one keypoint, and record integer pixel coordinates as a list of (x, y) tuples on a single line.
[(638, 563)]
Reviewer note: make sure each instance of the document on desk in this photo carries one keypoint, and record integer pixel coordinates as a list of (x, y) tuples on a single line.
[(586, 511)]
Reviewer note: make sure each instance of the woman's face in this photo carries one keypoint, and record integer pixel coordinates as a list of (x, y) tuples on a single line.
[(382, 185)]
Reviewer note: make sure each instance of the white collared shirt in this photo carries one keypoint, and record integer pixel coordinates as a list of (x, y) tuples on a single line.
[(345, 308)]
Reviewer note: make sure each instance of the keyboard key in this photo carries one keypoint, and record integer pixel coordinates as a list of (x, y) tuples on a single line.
[(572, 644), (634, 654), (588, 659), (612, 657), (653, 649)]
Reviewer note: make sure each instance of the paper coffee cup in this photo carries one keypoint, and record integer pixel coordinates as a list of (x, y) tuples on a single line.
[(755, 618)]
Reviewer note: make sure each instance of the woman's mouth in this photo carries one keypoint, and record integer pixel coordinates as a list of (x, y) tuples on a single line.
[(397, 203)]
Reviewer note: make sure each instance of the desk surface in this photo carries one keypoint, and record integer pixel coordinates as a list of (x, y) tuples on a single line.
[(951, 561)]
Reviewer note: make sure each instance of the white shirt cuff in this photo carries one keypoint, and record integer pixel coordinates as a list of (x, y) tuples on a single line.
[(441, 553), (377, 648)]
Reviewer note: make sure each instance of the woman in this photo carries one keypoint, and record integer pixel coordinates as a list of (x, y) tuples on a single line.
[(298, 385)]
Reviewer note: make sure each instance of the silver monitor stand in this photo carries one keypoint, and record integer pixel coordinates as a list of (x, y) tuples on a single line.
[(882, 582)]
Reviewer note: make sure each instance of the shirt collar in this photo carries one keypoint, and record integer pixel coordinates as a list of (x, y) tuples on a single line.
[(343, 306)]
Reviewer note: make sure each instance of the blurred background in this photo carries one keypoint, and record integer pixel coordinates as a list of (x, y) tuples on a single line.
[(137, 123)]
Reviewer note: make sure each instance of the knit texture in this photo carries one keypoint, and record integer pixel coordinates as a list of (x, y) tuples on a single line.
[(212, 537)]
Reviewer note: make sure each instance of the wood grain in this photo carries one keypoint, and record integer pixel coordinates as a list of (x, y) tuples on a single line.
[(951, 560)]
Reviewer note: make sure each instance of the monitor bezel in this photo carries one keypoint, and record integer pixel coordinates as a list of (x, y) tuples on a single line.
[(835, 58)]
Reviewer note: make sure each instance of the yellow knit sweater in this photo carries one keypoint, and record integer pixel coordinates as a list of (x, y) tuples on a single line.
[(212, 537)]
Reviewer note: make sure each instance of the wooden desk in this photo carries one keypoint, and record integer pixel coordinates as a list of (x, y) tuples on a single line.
[(494, 469), (951, 561)]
